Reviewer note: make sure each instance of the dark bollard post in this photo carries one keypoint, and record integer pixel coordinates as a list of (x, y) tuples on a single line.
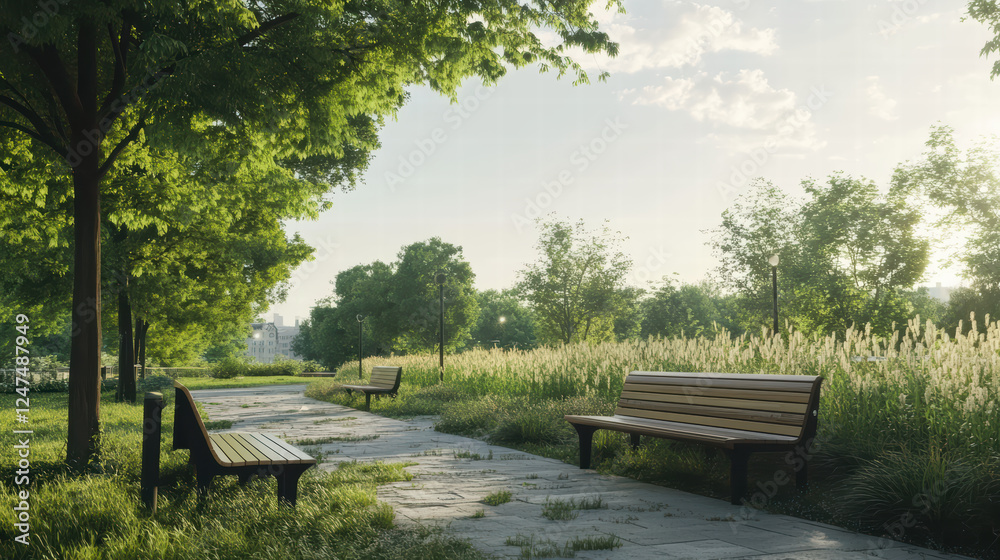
[(150, 478), (104, 373)]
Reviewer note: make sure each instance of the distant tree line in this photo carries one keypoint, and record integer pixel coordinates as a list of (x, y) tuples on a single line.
[(850, 255)]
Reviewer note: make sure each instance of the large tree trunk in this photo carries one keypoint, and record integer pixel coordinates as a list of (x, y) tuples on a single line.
[(82, 442), (85, 345), (126, 354)]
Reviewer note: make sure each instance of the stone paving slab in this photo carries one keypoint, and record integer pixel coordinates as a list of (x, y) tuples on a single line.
[(452, 474)]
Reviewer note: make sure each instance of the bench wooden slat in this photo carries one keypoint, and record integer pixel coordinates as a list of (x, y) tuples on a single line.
[(711, 421), (288, 454), (245, 455), (794, 408), (250, 446), (271, 456), (285, 447), (233, 457), (755, 394), (710, 375), (791, 386), (661, 428), (765, 416), (220, 453)]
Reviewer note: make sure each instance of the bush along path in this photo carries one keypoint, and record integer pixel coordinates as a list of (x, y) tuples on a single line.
[(518, 505)]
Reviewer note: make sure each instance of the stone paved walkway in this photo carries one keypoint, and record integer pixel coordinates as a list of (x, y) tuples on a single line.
[(452, 474)]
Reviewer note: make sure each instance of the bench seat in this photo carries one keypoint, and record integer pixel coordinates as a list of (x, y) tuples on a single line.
[(738, 413), (244, 454), (725, 438)]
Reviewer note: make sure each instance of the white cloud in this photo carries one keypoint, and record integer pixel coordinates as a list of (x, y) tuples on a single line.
[(880, 104), (745, 108), (679, 35)]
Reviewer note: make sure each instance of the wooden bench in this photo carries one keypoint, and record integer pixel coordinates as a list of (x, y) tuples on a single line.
[(384, 381), (242, 454), (739, 413)]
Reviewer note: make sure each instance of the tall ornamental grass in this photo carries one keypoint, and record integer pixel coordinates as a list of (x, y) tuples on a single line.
[(919, 389)]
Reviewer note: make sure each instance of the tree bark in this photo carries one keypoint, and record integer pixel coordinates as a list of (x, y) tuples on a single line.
[(84, 155), (142, 347), (85, 344), (126, 353)]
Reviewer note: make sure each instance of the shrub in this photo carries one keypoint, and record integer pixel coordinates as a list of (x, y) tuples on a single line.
[(161, 383), (229, 368)]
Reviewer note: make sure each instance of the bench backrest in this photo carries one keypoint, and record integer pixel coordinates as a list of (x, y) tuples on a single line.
[(189, 429), (386, 377), (771, 404)]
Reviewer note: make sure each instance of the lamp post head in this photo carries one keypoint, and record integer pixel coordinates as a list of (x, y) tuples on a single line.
[(439, 277), (503, 319), (773, 261), (360, 318)]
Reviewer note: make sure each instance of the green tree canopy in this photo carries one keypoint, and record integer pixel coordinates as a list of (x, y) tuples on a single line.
[(399, 303), (575, 286), (848, 254), (503, 318), (291, 87)]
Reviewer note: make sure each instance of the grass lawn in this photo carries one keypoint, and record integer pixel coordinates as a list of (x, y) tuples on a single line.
[(99, 514)]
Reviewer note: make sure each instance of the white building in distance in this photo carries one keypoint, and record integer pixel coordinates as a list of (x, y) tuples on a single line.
[(268, 340), (941, 293)]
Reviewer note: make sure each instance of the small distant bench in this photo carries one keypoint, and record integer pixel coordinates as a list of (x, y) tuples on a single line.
[(384, 381), (739, 413), (242, 454)]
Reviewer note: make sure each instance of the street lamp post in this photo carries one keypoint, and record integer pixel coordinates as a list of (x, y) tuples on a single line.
[(503, 321), (440, 278), (773, 261), (361, 322)]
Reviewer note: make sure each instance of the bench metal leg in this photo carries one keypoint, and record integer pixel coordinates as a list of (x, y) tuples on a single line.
[(586, 443), (368, 401), (738, 460), (634, 440), (802, 475), (204, 480), (288, 483)]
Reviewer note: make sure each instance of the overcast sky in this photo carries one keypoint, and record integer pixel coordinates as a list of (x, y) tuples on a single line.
[(702, 98)]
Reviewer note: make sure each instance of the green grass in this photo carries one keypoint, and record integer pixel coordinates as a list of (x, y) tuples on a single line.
[(497, 498), (195, 383), (218, 424), (329, 420), (927, 414), (534, 547), (98, 514), (334, 439)]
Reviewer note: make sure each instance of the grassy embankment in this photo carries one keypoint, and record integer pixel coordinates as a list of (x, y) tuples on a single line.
[(908, 446), (100, 515)]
